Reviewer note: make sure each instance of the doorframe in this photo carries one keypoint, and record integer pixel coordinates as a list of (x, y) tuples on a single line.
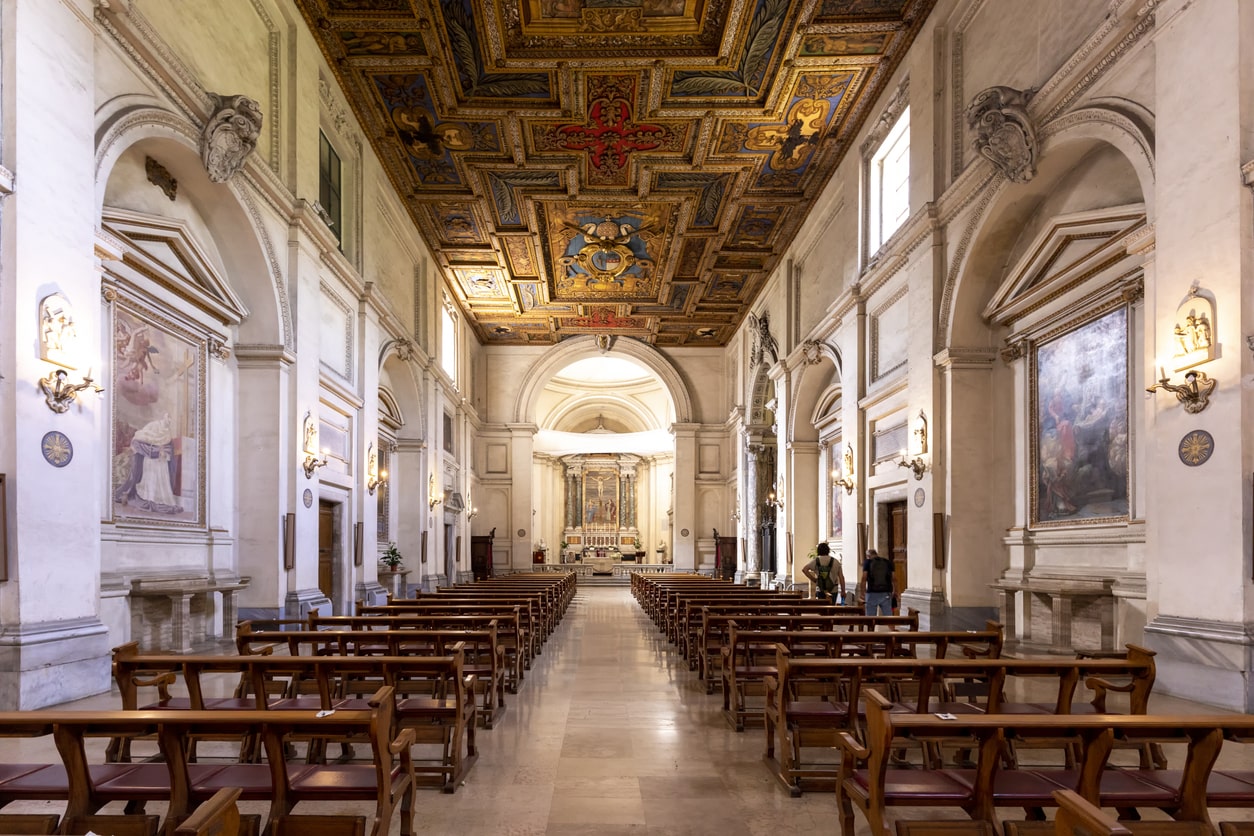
[(339, 554)]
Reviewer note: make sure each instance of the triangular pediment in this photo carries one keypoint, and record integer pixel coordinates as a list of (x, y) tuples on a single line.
[(165, 251), (1071, 250)]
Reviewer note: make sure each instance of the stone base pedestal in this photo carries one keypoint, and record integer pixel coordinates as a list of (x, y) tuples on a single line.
[(371, 594), (1059, 614), (47, 664), (936, 614), (300, 602), (1207, 661)]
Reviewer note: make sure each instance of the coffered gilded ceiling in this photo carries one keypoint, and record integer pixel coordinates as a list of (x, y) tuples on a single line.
[(630, 167)]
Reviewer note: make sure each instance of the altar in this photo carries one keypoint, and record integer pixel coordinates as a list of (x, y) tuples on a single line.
[(601, 530)]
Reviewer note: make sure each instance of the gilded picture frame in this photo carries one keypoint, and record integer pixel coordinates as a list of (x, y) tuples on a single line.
[(157, 438), (1079, 441)]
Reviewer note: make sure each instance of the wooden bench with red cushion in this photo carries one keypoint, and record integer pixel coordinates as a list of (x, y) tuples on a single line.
[(386, 781), (870, 781)]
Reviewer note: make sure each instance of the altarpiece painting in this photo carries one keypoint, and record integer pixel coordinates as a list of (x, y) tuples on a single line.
[(158, 372), (1080, 445), (600, 498)]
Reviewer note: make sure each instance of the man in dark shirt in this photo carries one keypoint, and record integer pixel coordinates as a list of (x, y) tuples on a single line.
[(877, 583)]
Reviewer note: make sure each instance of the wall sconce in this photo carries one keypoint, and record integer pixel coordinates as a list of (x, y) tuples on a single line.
[(59, 394), (471, 510), (1194, 394), (433, 499), (847, 481), (313, 462), (374, 476), (775, 498), (916, 465)]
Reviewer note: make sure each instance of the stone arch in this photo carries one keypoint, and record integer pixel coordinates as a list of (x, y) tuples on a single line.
[(233, 218), (816, 378), (577, 348), (1004, 205)]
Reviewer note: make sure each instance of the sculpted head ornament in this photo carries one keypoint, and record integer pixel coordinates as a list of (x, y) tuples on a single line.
[(230, 135)]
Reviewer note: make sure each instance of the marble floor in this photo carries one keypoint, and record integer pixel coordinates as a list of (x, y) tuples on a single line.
[(611, 734)]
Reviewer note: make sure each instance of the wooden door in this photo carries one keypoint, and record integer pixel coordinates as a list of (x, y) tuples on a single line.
[(897, 544), (326, 548)]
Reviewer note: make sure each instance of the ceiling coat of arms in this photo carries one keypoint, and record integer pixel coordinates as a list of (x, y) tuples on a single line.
[(656, 155)]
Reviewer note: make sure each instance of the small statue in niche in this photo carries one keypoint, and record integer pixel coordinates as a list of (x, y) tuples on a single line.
[(56, 330), (230, 135), (1201, 332)]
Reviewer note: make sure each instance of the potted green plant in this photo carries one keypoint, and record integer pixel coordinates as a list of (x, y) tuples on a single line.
[(391, 557)]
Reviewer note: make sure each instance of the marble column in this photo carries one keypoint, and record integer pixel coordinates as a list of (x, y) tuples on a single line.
[(753, 511)]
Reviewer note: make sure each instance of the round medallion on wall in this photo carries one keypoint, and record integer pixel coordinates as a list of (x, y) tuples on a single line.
[(522, 532), (1196, 447), (919, 496), (307, 498), (57, 449), (683, 532)]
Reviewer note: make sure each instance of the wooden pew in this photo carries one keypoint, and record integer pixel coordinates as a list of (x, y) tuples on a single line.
[(525, 611), (511, 631), (692, 616), (434, 697), (482, 654), (220, 816), (386, 782), (869, 781), (713, 636), (751, 656), (807, 712)]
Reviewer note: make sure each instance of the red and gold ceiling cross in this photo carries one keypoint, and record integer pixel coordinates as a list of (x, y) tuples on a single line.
[(610, 135)]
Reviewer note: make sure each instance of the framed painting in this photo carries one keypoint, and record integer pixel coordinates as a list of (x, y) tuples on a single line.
[(600, 499), (158, 420), (1079, 436), (836, 513)]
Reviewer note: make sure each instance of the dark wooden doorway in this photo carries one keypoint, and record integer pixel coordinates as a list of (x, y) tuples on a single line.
[(328, 513), (895, 540)]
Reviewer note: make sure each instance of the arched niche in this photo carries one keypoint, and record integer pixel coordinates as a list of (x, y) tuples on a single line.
[(224, 217), (1090, 159)]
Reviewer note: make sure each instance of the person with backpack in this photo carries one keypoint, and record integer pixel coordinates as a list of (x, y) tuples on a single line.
[(825, 572), (877, 583)]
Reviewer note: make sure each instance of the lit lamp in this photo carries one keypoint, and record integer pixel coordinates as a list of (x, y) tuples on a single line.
[(1193, 394), (775, 498), (471, 510), (59, 393), (917, 465), (847, 481), (433, 498), (374, 476)]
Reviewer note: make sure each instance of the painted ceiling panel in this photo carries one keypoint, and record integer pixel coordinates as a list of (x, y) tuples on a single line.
[(631, 167)]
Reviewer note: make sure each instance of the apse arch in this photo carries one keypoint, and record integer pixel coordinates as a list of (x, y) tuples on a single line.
[(226, 212), (577, 348), (1005, 206)]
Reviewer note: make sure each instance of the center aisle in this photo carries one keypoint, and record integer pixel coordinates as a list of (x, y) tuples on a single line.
[(611, 733)]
